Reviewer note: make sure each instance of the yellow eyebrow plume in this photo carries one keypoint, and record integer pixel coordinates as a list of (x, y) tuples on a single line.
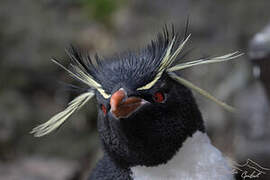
[(218, 59), (58, 119), (202, 92), (166, 62), (85, 78), (188, 84), (169, 58)]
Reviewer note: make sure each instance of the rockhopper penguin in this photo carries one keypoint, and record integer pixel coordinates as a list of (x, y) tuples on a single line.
[(148, 121)]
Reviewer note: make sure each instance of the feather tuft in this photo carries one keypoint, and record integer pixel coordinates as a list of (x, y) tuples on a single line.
[(81, 75), (167, 61), (201, 91), (57, 120), (218, 59)]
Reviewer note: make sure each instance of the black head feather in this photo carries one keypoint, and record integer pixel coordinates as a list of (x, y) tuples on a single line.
[(129, 69)]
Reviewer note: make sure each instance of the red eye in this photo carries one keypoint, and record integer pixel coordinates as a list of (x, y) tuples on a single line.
[(103, 108), (159, 97)]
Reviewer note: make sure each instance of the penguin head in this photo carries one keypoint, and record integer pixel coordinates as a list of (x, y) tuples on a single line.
[(145, 119)]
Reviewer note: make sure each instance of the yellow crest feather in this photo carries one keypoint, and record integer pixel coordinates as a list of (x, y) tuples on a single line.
[(85, 78), (201, 91), (58, 119), (168, 59), (218, 59)]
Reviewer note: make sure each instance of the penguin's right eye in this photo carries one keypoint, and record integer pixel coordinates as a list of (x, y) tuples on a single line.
[(159, 97), (103, 109)]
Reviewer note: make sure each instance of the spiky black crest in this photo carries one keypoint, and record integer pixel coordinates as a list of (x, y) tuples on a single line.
[(131, 69)]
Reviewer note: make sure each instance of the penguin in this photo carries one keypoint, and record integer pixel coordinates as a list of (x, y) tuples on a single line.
[(149, 123)]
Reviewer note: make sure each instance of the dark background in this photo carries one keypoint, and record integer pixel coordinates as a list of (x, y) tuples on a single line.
[(33, 31)]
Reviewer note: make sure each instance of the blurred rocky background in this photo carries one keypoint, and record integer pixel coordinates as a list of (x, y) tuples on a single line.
[(31, 88)]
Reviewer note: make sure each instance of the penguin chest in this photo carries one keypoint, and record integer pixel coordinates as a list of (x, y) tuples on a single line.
[(197, 159)]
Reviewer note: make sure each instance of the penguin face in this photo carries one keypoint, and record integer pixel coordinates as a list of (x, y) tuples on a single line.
[(146, 127)]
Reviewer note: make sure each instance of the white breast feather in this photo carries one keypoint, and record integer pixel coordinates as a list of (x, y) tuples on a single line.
[(197, 159)]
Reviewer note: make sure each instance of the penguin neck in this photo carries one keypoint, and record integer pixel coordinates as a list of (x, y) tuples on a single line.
[(154, 146)]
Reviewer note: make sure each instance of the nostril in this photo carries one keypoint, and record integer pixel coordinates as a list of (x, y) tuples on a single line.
[(117, 98)]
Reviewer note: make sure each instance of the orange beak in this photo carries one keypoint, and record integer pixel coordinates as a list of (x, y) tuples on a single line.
[(122, 106)]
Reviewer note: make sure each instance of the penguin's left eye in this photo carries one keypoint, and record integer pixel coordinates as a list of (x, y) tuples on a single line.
[(103, 109), (159, 97)]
